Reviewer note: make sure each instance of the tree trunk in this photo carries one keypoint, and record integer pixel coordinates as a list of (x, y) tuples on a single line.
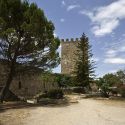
[(11, 73), (6, 88), (8, 82)]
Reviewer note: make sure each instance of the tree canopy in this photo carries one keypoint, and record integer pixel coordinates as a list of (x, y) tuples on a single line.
[(84, 68), (26, 33), (26, 37), (108, 81)]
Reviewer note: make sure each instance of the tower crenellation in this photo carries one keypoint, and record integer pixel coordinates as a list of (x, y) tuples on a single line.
[(70, 40)]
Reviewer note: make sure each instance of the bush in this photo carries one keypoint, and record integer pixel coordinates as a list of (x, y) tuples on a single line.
[(52, 94), (122, 91), (79, 90), (55, 94)]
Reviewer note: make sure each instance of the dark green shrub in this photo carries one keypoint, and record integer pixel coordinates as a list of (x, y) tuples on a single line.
[(79, 90), (55, 94), (52, 94), (122, 91), (64, 81)]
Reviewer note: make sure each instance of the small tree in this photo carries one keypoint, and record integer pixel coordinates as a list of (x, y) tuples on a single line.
[(121, 75), (103, 86), (26, 38), (108, 81), (62, 80), (84, 69), (112, 79)]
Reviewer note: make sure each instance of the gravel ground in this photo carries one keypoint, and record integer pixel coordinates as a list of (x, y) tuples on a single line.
[(86, 112)]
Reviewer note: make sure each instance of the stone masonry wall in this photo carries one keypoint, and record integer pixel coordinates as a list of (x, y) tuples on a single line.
[(68, 56), (28, 85), (32, 85)]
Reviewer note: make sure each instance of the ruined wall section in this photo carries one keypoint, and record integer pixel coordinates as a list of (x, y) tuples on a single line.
[(3, 72), (30, 84), (68, 55)]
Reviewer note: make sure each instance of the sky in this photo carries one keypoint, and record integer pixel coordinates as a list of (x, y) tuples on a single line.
[(103, 21)]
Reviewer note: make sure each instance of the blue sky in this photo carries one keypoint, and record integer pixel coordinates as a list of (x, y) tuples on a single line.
[(103, 21)]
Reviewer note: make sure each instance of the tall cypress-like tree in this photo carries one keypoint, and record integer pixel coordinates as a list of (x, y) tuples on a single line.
[(26, 38), (84, 68)]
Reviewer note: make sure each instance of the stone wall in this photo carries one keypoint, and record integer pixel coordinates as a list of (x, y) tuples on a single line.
[(32, 84), (3, 72), (28, 85), (68, 55)]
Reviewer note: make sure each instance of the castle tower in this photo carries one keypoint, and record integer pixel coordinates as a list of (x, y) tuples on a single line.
[(68, 57)]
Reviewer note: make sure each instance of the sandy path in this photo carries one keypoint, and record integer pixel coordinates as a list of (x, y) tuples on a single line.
[(86, 112)]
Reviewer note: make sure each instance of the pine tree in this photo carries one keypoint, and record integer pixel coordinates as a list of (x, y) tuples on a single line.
[(84, 68), (26, 38)]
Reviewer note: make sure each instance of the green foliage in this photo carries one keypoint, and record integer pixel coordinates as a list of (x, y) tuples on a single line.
[(104, 86), (84, 65), (107, 81), (47, 77), (121, 90), (111, 79), (121, 75), (78, 90), (26, 38), (55, 94), (65, 80), (52, 94), (26, 35)]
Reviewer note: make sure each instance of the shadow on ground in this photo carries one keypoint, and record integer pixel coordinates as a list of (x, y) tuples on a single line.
[(22, 105)]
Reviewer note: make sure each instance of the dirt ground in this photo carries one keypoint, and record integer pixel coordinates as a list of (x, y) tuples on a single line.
[(86, 112)]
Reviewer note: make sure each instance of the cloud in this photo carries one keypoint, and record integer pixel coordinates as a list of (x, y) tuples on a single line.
[(123, 35), (62, 20), (115, 54), (115, 51), (55, 35), (115, 60), (107, 18), (117, 44), (71, 7), (113, 71), (122, 49), (113, 35), (63, 3), (111, 53)]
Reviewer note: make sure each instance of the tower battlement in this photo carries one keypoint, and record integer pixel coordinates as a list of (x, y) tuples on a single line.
[(70, 40)]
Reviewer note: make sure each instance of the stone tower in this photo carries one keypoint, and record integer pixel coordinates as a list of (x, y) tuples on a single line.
[(68, 57)]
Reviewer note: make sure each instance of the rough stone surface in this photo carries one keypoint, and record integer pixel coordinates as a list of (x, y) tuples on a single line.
[(30, 84), (68, 56)]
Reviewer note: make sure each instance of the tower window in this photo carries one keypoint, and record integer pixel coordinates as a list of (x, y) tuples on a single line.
[(19, 85)]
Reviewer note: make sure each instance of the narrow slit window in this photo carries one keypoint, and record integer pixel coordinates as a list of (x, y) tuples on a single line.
[(19, 86)]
